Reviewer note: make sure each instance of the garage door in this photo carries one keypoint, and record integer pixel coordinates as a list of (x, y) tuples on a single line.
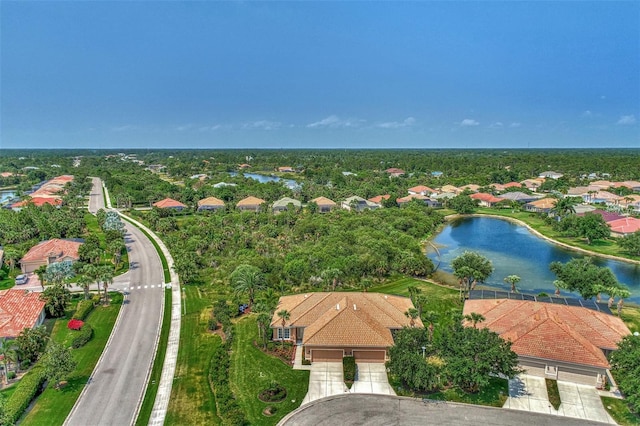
[(369, 356), (326, 355)]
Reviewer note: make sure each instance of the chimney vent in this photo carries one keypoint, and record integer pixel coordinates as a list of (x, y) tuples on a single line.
[(337, 307), (354, 306)]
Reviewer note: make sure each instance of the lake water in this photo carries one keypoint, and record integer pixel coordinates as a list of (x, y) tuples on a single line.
[(515, 250), (289, 183), (6, 195)]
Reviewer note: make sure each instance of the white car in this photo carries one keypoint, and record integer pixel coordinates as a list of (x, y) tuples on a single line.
[(22, 279)]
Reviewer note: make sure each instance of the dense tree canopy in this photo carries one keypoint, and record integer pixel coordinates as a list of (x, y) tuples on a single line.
[(625, 366), (582, 276), (471, 268)]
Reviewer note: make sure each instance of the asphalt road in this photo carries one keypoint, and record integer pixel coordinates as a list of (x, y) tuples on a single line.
[(96, 198), (118, 382), (385, 410)]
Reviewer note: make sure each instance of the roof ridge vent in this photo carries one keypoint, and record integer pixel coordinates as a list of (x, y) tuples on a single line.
[(337, 306), (354, 307)]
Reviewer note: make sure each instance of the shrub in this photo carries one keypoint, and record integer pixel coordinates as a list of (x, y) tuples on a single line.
[(228, 408), (553, 393), (83, 309), (349, 366), (75, 324), (27, 389), (11, 375), (84, 335)]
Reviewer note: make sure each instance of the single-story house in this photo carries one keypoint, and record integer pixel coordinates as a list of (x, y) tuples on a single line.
[(379, 198), (244, 166), (631, 202), (471, 187), (36, 201), (223, 184), (550, 175), (605, 197), (426, 200), (50, 251), (486, 200), (324, 204), (562, 342), (394, 171), (444, 196), (250, 204), (631, 184), (337, 324), (169, 203), (543, 205), (421, 190), (532, 184), (286, 169), (437, 174), (450, 188), (210, 203), (283, 204), (358, 204), (602, 184), (19, 309), (607, 216), (625, 226), (585, 192), (518, 196)]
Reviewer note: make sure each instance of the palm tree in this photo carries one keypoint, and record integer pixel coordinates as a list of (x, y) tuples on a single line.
[(106, 277), (8, 354), (412, 314), (85, 281), (40, 272), (247, 279), (421, 301), (513, 280), (284, 315), (11, 256), (475, 318), (331, 276), (565, 206), (263, 320)]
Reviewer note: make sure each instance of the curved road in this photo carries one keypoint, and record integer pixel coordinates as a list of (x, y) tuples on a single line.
[(118, 382)]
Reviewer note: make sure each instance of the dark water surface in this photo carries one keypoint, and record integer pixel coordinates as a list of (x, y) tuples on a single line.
[(515, 250)]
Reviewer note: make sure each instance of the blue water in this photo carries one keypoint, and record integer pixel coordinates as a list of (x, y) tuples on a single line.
[(6, 195), (515, 250), (289, 183)]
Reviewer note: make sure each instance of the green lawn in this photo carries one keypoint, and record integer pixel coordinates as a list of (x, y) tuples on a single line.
[(53, 406), (619, 410), (253, 371), (156, 372), (192, 401), (494, 395)]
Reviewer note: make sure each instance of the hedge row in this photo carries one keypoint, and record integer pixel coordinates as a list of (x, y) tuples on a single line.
[(82, 336), (83, 309), (28, 388), (349, 367), (228, 408)]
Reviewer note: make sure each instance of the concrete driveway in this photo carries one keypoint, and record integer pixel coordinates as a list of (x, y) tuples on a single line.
[(528, 393), (372, 378), (325, 379), (582, 402)]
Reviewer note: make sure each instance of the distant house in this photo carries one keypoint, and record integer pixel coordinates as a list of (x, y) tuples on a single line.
[(631, 184), (250, 204), (199, 176), (421, 190), (543, 205), (607, 216), (602, 184), (450, 188), (169, 203), (394, 172), (50, 251), (605, 197), (557, 341), (286, 169), (486, 200), (378, 199), (284, 204), (471, 187), (426, 200), (324, 204), (532, 184), (155, 168), (550, 175), (436, 174), (36, 201), (244, 166), (585, 192), (630, 202), (223, 184), (19, 309), (622, 227), (358, 204), (210, 203), (518, 196)]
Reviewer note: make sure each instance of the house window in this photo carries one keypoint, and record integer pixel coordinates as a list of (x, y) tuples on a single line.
[(287, 333)]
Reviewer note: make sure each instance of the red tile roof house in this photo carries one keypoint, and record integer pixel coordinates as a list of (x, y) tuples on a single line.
[(394, 172), (337, 324), (169, 203), (607, 216), (622, 227), (286, 169), (250, 204), (543, 205), (19, 309), (324, 204), (379, 198), (50, 251), (486, 200), (421, 190), (569, 343), (36, 201)]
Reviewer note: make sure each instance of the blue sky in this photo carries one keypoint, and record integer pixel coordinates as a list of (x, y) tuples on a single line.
[(87, 74)]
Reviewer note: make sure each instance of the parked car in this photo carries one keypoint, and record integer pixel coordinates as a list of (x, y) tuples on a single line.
[(22, 279)]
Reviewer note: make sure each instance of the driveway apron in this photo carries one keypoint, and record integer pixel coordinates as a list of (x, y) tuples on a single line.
[(528, 393), (582, 402), (325, 379), (372, 378)]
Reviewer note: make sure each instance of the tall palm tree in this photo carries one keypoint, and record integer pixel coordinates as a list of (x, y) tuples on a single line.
[(284, 315), (40, 272), (412, 314), (565, 206), (475, 318), (85, 281), (8, 354), (513, 280), (263, 320), (247, 279), (106, 277)]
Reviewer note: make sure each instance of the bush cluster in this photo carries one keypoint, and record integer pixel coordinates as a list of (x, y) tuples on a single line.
[(28, 388), (349, 367), (228, 408), (82, 336), (83, 309)]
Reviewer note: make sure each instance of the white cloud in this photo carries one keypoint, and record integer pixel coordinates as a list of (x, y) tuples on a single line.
[(333, 121), (514, 125), (409, 121), (468, 122), (496, 125), (124, 128), (263, 124), (587, 113), (627, 120), (184, 127), (210, 128)]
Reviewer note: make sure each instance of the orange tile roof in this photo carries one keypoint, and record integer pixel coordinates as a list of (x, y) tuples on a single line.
[(56, 247), (251, 201), (513, 185), (394, 170), (544, 203), (323, 201), (378, 199), (345, 318), (555, 332), (19, 309), (486, 197), (210, 201), (168, 203), (38, 202), (411, 197), (628, 225), (420, 188)]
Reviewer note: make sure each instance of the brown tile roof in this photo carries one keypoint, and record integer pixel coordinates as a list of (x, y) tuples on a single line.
[(19, 309), (323, 201), (250, 201), (544, 203), (330, 318), (471, 187), (56, 247), (168, 203), (555, 332), (210, 201), (411, 197), (394, 170)]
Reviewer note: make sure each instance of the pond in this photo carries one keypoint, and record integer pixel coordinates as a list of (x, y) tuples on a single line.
[(6, 195), (513, 249), (289, 183)]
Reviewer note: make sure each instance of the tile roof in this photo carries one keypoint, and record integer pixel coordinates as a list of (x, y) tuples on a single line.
[(544, 203), (420, 188), (471, 187), (607, 216), (168, 203), (394, 170), (38, 202), (210, 201), (555, 332), (513, 185), (450, 188), (19, 309), (518, 196), (345, 318), (323, 201), (250, 201), (56, 247), (411, 197), (378, 199), (628, 225), (488, 198), (284, 202)]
